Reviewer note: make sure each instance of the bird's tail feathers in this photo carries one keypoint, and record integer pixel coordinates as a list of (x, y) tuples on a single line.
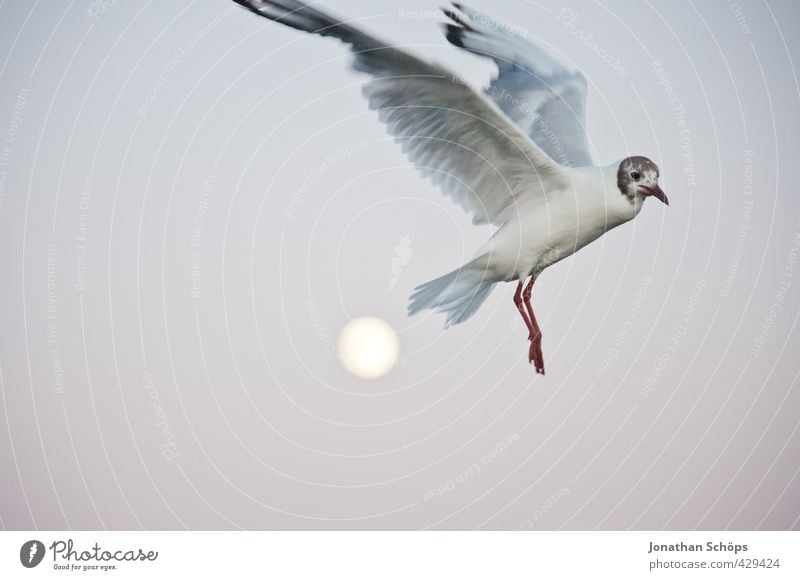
[(458, 294)]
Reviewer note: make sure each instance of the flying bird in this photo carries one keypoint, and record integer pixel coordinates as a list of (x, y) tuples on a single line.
[(515, 155)]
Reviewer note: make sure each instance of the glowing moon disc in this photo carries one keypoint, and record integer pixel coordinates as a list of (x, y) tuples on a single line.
[(368, 347)]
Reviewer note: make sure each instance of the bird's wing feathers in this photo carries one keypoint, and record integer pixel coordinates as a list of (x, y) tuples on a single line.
[(545, 97), (455, 135), (469, 149)]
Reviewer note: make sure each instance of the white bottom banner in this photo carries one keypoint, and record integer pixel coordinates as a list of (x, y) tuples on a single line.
[(406, 555)]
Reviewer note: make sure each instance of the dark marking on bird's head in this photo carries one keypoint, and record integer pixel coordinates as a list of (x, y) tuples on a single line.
[(638, 176)]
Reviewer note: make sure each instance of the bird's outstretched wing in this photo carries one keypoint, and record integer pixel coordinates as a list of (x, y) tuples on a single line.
[(455, 135), (545, 97)]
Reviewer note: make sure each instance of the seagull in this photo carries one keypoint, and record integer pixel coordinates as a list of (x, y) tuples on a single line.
[(515, 155)]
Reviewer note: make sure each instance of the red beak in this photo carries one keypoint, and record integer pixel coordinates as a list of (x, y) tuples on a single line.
[(656, 192)]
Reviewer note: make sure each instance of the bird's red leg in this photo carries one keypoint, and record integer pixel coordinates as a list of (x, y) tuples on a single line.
[(521, 308), (535, 351)]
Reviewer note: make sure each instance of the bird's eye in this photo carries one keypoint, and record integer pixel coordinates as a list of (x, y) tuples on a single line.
[(635, 175)]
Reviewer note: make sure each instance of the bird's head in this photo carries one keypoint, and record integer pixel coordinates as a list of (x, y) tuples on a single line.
[(638, 177)]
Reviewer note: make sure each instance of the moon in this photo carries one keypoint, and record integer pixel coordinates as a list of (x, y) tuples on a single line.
[(368, 347)]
